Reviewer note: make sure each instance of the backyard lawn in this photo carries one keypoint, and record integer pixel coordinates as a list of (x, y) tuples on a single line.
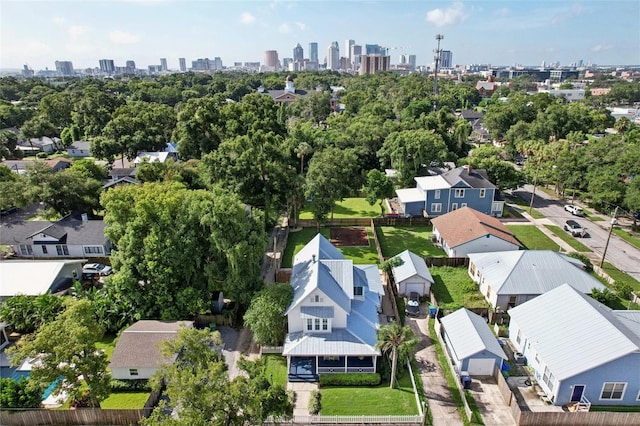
[(350, 207), (276, 369), (568, 238), (453, 289), (375, 401), (125, 400), (359, 255), (396, 239), (533, 238)]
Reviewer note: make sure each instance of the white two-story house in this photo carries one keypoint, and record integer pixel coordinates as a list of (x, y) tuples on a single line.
[(333, 318)]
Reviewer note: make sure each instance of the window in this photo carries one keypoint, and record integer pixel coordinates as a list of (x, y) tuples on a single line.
[(459, 193), (26, 250), (436, 207), (613, 390), (358, 291), (325, 324), (518, 337), (62, 250), (317, 324), (512, 301), (309, 324), (548, 378), (454, 206), (463, 205), (91, 250), (133, 371), (496, 207), (483, 192), (436, 194), (44, 249)]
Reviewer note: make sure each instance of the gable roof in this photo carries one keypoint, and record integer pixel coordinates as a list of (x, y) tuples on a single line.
[(412, 265), (469, 334), (532, 271), (84, 145), (76, 231), (474, 178), (308, 276), (466, 224), (319, 247), (139, 345), (569, 346), (31, 277)]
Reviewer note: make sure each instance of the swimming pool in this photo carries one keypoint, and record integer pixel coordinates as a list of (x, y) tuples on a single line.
[(13, 373)]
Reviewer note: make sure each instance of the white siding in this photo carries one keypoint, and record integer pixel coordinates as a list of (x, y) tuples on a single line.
[(120, 373), (484, 245)]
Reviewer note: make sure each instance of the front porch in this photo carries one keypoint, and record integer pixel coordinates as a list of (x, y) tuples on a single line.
[(307, 369)]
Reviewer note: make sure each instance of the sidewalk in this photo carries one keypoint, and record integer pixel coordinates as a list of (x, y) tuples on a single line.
[(539, 223)]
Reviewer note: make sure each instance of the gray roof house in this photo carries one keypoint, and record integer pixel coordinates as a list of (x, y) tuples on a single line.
[(333, 318), (471, 344), (67, 238), (581, 351), (137, 352), (510, 278), (412, 275), (79, 149)]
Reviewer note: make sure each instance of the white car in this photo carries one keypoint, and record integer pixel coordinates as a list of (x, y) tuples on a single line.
[(91, 269), (574, 210)]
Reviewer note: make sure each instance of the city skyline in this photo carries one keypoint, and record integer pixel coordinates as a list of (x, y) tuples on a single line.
[(38, 33)]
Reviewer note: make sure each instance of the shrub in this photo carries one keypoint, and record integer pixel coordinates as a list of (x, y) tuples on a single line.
[(584, 259), (42, 155), (19, 394), (350, 379), (623, 290), (401, 306), (130, 385), (314, 402)]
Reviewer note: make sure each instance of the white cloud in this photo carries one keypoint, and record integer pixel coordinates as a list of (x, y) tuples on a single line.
[(77, 30), (601, 47), (247, 18), (301, 26), (284, 28), (123, 37), (449, 16), (57, 20)]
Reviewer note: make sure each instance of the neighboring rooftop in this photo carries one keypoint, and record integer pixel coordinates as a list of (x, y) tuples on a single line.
[(466, 224), (469, 334)]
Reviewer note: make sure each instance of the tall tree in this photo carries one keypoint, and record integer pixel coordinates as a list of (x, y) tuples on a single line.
[(397, 342), (265, 316), (66, 350), (378, 187), (199, 128)]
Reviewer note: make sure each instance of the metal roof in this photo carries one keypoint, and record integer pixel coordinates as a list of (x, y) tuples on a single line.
[(316, 311), (574, 333), (412, 265), (371, 277), (469, 334), (319, 247), (338, 342), (432, 182), (31, 277), (532, 271), (308, 276), (410, 195)]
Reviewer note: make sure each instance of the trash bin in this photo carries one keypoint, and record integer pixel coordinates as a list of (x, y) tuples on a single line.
[(432, 311), (465, 379)]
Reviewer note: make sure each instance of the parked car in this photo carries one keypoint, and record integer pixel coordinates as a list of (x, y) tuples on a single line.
[(92, 269), (574, 228), (574, 210), (412, 307)]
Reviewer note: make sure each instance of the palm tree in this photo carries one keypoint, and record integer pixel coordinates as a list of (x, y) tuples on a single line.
[(302, 150), (397, 340)]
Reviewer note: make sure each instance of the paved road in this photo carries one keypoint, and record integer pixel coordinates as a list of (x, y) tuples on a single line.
[(619, 253)]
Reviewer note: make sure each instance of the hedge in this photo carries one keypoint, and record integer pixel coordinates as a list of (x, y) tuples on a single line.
[(350, 379), (130, 385), (314, 402)]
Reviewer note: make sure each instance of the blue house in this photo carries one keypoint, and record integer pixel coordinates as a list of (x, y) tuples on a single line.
[(471, 344), (440, 194), (581, 351), (333, 318)]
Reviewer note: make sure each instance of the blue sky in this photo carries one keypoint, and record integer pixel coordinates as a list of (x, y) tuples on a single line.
[(497, 32)]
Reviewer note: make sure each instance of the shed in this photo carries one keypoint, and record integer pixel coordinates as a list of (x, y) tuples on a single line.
[(412, 275), (471, 344)]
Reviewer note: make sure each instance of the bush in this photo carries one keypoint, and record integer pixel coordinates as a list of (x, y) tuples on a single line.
[(42, 155), (130, 385), (350, 379), (19, 394), (314, 402), (584, 259), (401, 307), (623, 290)]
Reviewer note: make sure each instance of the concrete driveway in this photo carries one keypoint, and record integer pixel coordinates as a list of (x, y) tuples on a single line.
[(490, 403)]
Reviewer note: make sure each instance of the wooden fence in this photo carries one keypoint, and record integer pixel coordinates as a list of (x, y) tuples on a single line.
[(355, 420), (455, 262), (283, 275), (364, 221), (82, 416), (271, 350)]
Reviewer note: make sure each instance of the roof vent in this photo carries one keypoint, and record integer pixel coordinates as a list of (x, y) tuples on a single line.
[(313, 257)]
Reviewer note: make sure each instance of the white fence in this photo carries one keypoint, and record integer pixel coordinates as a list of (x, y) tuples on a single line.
[(360, 420), (271, 350)]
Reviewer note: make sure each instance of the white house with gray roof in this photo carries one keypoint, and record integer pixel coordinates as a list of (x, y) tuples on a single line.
[(471, 344), (333, 318), (510, 278), (412, 274), (579, 349)]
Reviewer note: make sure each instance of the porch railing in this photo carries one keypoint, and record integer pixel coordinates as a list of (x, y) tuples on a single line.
[(584, 404), (361, 370)]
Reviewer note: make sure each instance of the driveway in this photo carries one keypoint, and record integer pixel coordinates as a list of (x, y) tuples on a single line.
[(236, 343), (490, 403)]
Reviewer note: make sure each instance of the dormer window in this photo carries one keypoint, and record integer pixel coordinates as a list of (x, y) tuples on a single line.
[(358, 292), (316, 298)]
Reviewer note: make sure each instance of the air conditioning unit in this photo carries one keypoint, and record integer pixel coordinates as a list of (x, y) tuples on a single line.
[(520, 359)]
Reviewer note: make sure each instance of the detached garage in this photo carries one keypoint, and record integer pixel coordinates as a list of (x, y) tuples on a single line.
[(471, 344), (412, 275)]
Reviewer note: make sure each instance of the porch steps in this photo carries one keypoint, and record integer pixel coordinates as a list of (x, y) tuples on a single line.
[(309, 378)]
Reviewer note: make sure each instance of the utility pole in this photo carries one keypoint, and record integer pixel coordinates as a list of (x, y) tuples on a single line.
[(436, 58), (535, 182), (613, 220)]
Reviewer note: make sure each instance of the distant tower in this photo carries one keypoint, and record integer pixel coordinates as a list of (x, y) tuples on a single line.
[(446, 59), (107, 66), (436, 58), (298, 57), (356, 56), (313, 51), (271, 59), (333, 56), (372, 64), (163, 64), (347, 50), (183, 64), (64, 67)]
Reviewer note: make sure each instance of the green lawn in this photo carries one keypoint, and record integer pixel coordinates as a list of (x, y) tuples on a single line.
[(396, 239), (620, 276), (125, 400), (350, 207), (359, 255), (631, 239), (108, 344), (454, 289), (533, 238), (276, 369), (375, 401), (616, 408), (524, 205), (568, 238)]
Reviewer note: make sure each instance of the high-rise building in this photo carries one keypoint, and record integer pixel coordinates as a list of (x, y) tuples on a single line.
[(217, 64), (372, 64), (130, 67), (371, 49), (183, 64), (356, 55), (271, 60), (64, 67), (163, 64), (408, 60), (333, 56), (201, 64), (298, 54), (347, 49), (446, 59), (313, 51), (107, 66)]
